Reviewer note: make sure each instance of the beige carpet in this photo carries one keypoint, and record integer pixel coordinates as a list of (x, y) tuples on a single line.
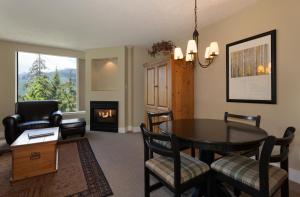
[(121, 158), (70, 179)]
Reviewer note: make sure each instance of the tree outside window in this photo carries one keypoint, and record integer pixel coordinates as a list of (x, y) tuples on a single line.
[(48, 77)]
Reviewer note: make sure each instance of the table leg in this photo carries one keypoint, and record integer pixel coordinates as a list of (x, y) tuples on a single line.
[(208, 157)]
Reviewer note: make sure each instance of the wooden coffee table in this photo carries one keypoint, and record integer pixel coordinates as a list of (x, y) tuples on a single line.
[(33, 157)]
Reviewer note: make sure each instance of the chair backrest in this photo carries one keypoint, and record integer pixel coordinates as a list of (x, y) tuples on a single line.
[(284, 143), (36, 110), (155, 119), (151, 146), (255, 119)]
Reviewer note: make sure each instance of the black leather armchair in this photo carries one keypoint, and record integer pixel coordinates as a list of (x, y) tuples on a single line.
[(31, 115)]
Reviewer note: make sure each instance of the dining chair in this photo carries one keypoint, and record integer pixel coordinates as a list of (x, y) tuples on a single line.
[(155, 119), (255, 119), (282, 157), (174, 169), (243, 118), (257, 178)]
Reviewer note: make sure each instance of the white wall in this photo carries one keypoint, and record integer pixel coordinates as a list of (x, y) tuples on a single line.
[(118, 94), (140, 57), (130, 84)]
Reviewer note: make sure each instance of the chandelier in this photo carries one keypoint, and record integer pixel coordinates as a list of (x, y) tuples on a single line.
[(192, 56)]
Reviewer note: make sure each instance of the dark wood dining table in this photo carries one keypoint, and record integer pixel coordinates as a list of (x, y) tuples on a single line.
[(212, 135)]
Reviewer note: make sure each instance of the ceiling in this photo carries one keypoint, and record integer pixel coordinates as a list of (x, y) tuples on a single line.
[(86, 24)]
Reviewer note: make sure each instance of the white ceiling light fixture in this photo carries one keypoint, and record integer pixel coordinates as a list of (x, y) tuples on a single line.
[(211, 51), (178, 53)]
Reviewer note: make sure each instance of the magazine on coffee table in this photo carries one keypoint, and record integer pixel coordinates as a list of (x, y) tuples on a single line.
[(38, 134)]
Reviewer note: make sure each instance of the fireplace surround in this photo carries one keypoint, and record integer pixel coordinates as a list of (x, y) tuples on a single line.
[(104, 116)]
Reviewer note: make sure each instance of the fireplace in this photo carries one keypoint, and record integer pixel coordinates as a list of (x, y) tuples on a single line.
[(104, 116)]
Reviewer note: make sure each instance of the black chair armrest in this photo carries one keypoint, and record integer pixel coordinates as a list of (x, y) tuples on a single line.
[(56, 118), (264, 164), (12, 120), (10, 123)]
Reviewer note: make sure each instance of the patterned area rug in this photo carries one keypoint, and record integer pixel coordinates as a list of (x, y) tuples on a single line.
[(79, 174)]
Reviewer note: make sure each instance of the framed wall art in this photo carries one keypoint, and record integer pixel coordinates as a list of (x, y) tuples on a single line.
[(251, 69)]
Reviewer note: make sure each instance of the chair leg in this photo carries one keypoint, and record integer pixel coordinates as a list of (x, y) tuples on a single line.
[(213, 184), (177, 191), (236, 192), (209, 185), (147, 183), (193, 151), (151, 154), (257, 154), (285, 188), (177, 194)]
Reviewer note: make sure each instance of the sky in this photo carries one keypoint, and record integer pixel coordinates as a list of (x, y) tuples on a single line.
[(25, 61)]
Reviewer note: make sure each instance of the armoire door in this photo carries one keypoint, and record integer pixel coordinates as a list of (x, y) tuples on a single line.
[(150, 86), (162, 86)]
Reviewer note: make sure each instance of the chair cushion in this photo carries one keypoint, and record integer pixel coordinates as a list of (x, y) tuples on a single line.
[(33, 125), (166, 144), (246, 170), (164, 168), (72, 123)]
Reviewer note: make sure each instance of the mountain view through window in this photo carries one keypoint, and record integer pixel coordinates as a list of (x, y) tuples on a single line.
[(48, 77)]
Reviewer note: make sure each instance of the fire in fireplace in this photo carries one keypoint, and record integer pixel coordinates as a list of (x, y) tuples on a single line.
[(104, 116)]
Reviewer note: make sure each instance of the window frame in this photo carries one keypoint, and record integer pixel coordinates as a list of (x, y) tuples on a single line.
[(39, 53)]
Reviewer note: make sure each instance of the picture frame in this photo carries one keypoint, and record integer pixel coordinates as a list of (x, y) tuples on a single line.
[(251, 69)]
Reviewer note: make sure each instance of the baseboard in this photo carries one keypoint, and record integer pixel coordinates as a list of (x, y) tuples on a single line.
[(121, 130), (294, 175), (132, 129), (129, 128), (136, 129)]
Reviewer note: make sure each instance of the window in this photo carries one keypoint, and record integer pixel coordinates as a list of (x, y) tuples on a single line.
[(47, 77)]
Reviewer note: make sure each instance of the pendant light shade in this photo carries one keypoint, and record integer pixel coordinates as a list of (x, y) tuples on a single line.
[(211, 52), (178, 53), (207, 53), (191, 47), (189, 57), (214, 48)]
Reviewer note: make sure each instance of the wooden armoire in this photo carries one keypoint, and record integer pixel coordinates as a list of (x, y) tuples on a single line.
[(169, 85)]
